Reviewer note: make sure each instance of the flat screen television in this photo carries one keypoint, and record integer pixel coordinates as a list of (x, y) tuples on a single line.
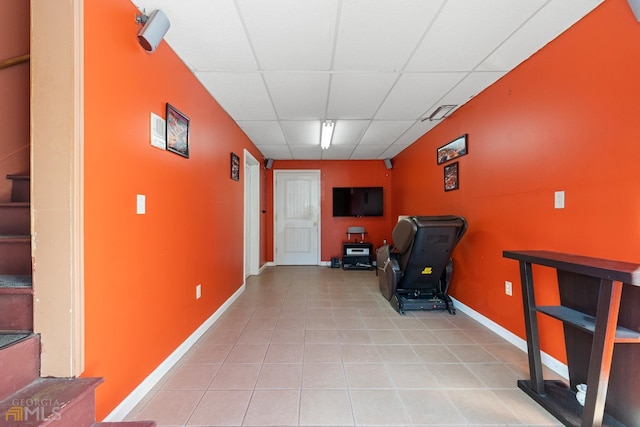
[(357, 201)]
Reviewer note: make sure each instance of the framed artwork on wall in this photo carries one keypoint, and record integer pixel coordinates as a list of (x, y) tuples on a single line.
[(452, 150), (451, 179), (177, 132), (235, 167)]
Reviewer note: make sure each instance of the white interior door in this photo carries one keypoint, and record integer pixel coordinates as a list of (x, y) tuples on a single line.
[(297, 217), (251, 215)]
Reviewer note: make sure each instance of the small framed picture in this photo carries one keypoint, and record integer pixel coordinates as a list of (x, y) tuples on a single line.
[(452, 150), (177, 132), (451, 179), (235, 167)]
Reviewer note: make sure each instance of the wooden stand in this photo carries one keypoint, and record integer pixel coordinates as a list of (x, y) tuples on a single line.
[(600, 307)]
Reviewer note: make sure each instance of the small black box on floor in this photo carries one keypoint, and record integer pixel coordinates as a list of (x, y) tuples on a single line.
[(335, 262)]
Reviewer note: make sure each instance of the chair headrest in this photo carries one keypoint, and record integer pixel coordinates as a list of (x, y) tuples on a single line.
[(403, 234)]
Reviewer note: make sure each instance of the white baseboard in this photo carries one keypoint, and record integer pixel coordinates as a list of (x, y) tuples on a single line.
[(552, 363), (130, 402)]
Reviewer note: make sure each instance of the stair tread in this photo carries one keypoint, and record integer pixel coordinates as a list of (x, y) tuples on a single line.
[(49, 395), (15, 204), (10, 338), (125, 424), (15, 281)]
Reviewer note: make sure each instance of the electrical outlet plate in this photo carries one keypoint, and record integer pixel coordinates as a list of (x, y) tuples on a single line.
[(141, 204), (508, 288), (198, 291), (559, 200)]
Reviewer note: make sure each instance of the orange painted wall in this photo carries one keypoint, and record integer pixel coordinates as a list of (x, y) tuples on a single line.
[(14, 90), (566, 119), (141, 271), (338, 173)]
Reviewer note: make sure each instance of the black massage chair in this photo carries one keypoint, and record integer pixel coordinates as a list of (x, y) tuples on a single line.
[(415, 272)]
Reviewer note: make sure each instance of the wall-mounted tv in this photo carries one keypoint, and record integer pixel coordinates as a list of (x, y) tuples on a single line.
[(357, 201)]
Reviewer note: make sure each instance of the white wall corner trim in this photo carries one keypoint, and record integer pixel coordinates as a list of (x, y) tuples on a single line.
[(130, 402), (552, 363)]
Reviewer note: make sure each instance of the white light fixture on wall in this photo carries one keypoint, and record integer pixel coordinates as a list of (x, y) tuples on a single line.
[(155, 27), (441, 112), (326, 134)]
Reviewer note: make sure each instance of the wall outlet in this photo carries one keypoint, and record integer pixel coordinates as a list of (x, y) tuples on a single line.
[(141, 204), (198, 291), (559, 200), (508, 288)]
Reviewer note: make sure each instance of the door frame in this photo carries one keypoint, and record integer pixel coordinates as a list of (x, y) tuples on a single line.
[(277, 173), (251, 215)]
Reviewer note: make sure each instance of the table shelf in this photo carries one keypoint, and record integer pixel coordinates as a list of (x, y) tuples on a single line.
[(587, 323)]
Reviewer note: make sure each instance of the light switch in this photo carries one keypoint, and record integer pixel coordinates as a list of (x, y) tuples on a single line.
[(559, 200), (141, 204)]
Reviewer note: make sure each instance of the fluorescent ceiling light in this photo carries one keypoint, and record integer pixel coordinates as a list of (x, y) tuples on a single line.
[(441, 112), (326, 135)]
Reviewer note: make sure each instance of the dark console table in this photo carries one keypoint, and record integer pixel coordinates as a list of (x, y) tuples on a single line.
[(600, 311), (357, 256)]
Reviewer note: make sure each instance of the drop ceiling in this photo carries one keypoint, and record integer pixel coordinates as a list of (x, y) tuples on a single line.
[(378, 68)]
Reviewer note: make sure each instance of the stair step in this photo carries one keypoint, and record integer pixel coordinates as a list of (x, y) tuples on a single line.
[(15, 218), (16, 303), (20, 362), (125, 424), (20, 188), (15, 254), (63, 402)]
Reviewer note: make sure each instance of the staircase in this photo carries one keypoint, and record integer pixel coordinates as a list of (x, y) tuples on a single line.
[(26, 398)]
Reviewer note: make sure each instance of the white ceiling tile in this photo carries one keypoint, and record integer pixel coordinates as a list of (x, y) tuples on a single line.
[(281, 67), (416, 131), (466, 32), (471, 86), (349, 132), (306, 153), (280, 152), (358, 96), (242, 95), (380, 35), (302, 132), (415, 93), (222, 42), (382, 132), (550, 21), (393, 151), (291, 34), (263, 132), (311, 89), (363, 152), (338, 152)]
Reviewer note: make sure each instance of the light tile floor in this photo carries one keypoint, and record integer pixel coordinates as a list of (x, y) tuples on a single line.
[(315, 346)]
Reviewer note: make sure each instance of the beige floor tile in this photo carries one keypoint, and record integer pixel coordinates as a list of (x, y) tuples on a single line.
[(325, 408), (236, 376), (360, 353), (326, 375), (280, 376), (322, 353), (284, 353), (170, 407), (430, 407), (368, 376), (191, 377), (221, 408), (314, 346), (378, 407), (247, 353), (273, 408), (482, 407)]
